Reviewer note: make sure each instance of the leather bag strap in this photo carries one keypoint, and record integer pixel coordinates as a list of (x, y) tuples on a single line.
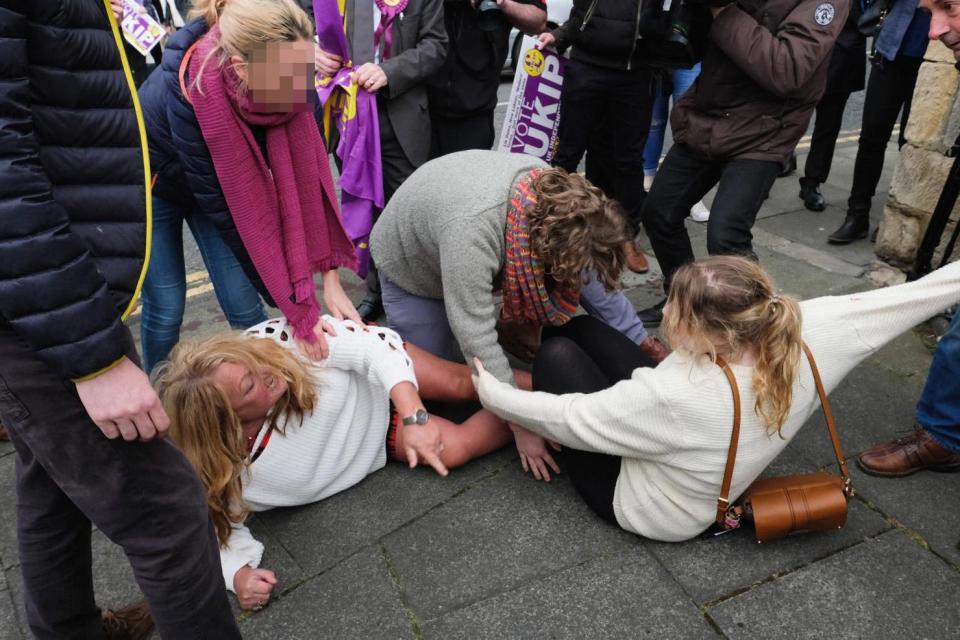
[(828, 416), (723, 502)]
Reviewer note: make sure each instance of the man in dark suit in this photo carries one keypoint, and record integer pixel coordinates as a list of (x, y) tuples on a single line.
[(418, 46)]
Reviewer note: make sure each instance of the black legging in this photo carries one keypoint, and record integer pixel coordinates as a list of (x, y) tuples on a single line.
[(584, 356)]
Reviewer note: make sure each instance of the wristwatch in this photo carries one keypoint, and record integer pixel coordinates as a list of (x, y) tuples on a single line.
[(420, 417)]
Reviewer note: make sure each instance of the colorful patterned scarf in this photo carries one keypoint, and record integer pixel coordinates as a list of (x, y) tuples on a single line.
[(529, 294)]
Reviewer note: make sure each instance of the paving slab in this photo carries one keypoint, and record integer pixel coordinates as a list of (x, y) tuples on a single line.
[(9, 626), (887, 587), (319, 535), (811, 228), (871, 405), (8, 513), (625, 595), (500, 535), (926, 502), (907, 355), (14, 584), (355, 599), (711, 568)]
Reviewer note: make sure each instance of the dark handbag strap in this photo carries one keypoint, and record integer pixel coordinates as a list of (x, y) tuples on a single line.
[(723, 502)]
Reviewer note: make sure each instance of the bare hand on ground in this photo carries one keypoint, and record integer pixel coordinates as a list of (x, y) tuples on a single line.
[(421, 442), (123, 404), (534, 455), (253, 587)]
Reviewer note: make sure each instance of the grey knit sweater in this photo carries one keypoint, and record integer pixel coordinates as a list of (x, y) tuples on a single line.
[(441, 237)]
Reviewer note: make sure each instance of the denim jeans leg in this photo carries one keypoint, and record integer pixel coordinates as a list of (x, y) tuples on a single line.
[(419, 321), (237, 296), (165, 287), (938, 410), (658, 127)]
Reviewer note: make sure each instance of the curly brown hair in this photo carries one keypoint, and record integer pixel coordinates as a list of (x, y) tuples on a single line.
[(575, 227)]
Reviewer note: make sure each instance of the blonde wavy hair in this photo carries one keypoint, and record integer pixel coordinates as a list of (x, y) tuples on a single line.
[(574, 227), (730, 303), (203, 423), (246, 25), (209, 10)]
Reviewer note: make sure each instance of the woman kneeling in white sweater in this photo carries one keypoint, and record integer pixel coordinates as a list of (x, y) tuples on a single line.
[(266, 427), (646, 448)]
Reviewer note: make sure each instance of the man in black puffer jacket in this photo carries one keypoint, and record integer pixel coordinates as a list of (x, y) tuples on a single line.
[(85, 422), (606, 83)]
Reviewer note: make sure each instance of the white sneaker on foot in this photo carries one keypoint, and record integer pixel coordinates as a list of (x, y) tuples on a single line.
[(699, 212)]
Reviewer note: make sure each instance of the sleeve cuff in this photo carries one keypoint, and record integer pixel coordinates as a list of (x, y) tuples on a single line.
[(91, 376)]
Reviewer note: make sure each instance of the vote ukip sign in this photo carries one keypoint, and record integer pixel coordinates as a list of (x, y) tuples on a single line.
[(533, 113)]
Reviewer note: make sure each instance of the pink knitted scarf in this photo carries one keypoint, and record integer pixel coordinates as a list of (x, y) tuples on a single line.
[(286, 211)]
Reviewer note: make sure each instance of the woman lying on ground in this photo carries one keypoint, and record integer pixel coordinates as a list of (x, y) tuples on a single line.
[(474, 223), (266, 427), (646, 448), (238, 154)]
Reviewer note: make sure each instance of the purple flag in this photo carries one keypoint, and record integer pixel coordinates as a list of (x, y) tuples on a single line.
[(354, 112)]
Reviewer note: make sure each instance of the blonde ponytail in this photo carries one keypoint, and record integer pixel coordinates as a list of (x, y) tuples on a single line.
[(729, 302), (778, 355)]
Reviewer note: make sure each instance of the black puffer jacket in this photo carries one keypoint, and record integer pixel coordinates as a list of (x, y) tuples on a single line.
[(73, 209), (605, 32)]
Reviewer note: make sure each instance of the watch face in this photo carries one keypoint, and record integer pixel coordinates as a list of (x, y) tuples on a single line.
[(422, 416)]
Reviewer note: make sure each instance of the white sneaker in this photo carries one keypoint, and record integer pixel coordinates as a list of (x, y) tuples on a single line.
[(699, 212)]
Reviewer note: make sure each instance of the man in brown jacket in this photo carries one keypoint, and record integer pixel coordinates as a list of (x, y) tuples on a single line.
[(764, 70)]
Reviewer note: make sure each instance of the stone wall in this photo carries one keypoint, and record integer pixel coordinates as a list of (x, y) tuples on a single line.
[(923, 166)]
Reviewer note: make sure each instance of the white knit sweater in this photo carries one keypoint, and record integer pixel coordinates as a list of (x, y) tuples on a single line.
[(339, 443), (672, 424)]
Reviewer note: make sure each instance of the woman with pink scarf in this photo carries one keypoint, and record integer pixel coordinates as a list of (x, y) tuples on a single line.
[(237, 111)]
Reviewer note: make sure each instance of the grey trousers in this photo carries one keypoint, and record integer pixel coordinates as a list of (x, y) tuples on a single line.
[(423, 321)]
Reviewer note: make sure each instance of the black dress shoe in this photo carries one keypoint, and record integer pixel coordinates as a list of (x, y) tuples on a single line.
[(855, 227), (652, 316), (370, 308), (812, 198)]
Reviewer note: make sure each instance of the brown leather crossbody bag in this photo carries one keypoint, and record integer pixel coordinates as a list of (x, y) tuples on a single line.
[(788, 504)]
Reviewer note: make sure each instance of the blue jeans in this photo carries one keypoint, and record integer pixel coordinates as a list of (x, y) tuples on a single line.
[(682, 80), (939, 408), (165, 287)]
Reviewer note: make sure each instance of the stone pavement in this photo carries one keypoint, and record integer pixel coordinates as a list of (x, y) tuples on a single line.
[(489, 553)]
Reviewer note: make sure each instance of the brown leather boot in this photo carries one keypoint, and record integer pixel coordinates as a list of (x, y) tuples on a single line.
[(909, 454), (636, 261), (132, 622)]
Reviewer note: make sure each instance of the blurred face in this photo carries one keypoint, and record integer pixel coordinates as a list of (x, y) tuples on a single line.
[(279, 75), (944, 17), (252, 394)]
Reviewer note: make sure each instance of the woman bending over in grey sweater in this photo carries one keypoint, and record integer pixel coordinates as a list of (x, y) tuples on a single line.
[(473, 224)]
